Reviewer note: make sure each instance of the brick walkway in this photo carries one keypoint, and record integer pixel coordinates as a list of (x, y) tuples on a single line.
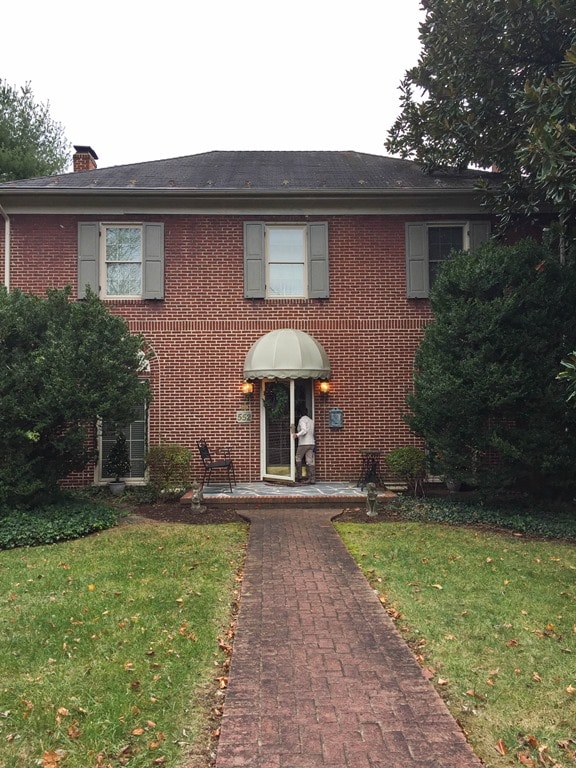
[(320, 676)]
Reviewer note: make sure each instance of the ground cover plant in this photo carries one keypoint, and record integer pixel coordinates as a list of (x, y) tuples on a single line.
[(110, 642), (68, 517), (491, 618)]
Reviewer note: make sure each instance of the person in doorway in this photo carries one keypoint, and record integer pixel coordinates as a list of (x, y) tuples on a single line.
[(305, 451)]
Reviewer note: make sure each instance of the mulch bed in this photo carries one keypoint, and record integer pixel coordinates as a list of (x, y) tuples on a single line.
[(175, 512)]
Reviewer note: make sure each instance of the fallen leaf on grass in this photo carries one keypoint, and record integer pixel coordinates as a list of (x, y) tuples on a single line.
[(61, 712), (471, 692), (536, 677), (566, 743), (501, 747), (525, 759), (52, 758), (154, 745), (428, 672)]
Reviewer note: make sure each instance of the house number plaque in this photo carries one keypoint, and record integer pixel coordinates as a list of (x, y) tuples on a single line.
[(243, 417)]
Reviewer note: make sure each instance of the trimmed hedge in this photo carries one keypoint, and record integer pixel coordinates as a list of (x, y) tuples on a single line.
[(65, 519)]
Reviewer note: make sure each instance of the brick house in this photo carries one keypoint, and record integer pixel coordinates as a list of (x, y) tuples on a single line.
[(283, 270)]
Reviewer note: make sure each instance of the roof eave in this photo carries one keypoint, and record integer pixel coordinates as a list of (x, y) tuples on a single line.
[(243, 201)]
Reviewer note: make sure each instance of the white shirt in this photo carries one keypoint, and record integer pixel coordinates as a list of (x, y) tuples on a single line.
[(305, 432)]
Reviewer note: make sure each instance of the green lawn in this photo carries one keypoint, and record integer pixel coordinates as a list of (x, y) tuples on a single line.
[(492, 619), (109, 644)]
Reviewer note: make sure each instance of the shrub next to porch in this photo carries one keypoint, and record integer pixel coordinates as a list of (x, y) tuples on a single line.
[(486, 398), (64, 364)]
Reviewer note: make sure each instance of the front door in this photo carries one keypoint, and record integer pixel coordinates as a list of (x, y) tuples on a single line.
[(282, 402)]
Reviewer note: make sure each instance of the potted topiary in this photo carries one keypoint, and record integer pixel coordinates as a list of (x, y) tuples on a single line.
[(117, 465)]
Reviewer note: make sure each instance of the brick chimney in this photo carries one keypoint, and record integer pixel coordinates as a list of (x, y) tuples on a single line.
[(84, 159)]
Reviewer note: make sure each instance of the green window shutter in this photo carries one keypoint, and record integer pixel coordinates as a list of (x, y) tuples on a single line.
[(88, 257), (417, 278), (479, 233), (254, 267), (318, 273), (153, 261)]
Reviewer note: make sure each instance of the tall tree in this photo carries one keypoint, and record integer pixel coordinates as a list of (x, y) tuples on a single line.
[(494, 86), (64, 365), (485, 398), (31, 142)]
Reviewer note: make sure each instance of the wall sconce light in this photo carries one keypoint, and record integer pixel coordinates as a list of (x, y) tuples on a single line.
[(247, 388), (324, 388)]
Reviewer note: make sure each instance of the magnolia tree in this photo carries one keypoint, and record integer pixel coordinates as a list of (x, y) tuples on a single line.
[(486, 398), (495, 86), (64, 364)]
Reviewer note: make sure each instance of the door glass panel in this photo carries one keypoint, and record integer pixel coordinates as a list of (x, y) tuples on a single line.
[(277, 440), (283, 403)]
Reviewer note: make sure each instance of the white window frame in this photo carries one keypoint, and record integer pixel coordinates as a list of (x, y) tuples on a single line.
[(104, 227), (139, 479), (474, 233), (303, 229), (463, 225)]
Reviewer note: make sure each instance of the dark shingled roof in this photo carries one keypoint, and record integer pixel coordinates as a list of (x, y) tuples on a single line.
[(261, 171)]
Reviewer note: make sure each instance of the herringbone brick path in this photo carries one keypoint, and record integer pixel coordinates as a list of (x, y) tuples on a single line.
[(320, 677)]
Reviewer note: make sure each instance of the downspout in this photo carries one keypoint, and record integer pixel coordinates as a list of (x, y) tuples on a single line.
[(6, 248)]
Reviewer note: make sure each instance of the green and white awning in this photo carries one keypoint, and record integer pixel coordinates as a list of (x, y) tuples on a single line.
[(287, 354)]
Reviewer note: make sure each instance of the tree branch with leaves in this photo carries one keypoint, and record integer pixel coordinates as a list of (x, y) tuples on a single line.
[(494, 86), (32, 143)]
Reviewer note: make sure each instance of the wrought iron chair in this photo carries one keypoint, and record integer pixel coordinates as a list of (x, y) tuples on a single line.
[(210, 464)]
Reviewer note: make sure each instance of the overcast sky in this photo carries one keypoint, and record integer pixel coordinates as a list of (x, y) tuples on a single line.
[(144, 81)]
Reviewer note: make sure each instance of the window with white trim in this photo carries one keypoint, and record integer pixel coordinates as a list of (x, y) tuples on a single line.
[(286, 260), (136, 434), (121, 260), (443, 239), (429, 245)]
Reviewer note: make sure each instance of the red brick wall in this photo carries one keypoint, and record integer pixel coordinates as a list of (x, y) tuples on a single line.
[(203, 329)]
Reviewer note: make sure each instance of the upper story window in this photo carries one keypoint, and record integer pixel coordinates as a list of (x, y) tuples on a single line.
[(121, 260), (428, 245), (286, 260), (442, 240)]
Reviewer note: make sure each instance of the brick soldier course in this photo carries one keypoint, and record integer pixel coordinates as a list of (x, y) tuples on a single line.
[(320, 676)]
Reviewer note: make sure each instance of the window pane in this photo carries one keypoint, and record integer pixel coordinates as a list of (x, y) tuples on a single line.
[(286, 280), (123, 279), (443, 240), (135, 435), (123, 244), (285, 245)]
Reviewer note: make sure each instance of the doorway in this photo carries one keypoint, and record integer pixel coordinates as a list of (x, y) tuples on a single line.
[(282, 403)]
